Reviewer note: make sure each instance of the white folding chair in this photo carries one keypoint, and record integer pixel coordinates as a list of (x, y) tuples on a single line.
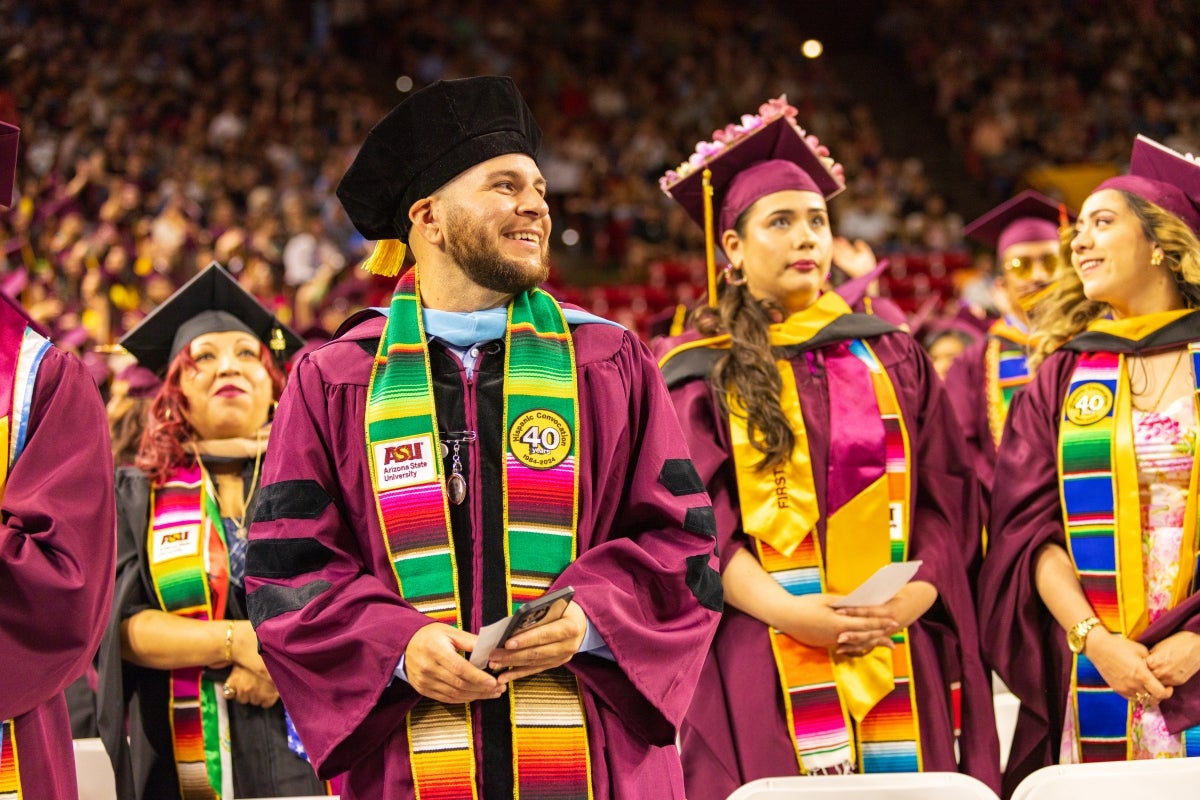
[(1114, 780), (893, 786), (93, 771)]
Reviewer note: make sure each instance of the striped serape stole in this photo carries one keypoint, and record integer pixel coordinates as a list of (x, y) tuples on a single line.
[(1006, 371), (889, 735), (1102, 518), (819, 710), (21, 352), (541, 445), (183, 531)]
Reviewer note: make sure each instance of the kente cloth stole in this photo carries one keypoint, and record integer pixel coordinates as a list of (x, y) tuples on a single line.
[(1101, 503), (21, 352), (186, 536), (549, 733), (842, 711), (1006, 371)]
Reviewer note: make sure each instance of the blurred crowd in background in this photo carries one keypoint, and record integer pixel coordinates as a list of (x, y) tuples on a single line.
[(160, 136)]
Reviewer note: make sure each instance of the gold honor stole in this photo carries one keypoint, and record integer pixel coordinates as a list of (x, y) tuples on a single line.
[(21, 352), (1101, 504), (549, 733), (1006, 371), (843, 712), (186, 535)]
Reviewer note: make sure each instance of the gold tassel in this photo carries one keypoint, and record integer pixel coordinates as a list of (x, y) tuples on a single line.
[(710, 261), (387, 258)]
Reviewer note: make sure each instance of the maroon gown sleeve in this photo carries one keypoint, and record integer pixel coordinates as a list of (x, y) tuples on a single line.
[(57, 549), (946, 537), (57, 539), (1021, 640), (331, 626), (646, 579)]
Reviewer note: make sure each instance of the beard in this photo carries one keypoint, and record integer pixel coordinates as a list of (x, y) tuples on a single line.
[(477, 253)]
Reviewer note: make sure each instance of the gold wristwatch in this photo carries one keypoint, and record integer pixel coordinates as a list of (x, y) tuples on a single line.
[(1077, 635)]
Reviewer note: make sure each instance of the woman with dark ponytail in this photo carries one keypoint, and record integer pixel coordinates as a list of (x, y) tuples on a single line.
[(830, 450)]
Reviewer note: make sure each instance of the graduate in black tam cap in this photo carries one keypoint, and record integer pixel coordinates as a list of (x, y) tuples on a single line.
[(180, 673), (477, 448)]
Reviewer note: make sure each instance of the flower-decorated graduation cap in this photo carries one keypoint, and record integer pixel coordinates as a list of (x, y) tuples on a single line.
[(760, 155), (1029, 217), (433, 136), (211, 302), (1168, 179), (9, 136)]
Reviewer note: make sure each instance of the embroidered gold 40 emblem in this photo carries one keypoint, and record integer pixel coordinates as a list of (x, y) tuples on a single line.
[(540, 439), (1089, 403)]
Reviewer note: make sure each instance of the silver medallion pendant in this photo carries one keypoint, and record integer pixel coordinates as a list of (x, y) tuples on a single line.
[(456, 489)]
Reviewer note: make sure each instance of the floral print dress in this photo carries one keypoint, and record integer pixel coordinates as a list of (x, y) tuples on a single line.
[(1165, 443)]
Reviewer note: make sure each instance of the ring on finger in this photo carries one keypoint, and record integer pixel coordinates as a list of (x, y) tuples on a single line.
[(1141, 697), (229, 691)]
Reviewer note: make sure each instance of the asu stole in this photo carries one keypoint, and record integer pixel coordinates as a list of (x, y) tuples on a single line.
[(21, 352), (843, 712), (1098, 483), (549, 734), (186, 536), (1006, 371)]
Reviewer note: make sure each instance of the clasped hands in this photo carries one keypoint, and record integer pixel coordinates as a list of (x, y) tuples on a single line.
[(436, 667), (248, 682), (811, 620), (1141, 674)]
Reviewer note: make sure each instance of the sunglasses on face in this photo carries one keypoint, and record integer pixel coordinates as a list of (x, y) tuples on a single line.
[(1022, 266)]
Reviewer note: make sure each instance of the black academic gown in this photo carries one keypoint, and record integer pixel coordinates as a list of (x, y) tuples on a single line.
[(263, 765)]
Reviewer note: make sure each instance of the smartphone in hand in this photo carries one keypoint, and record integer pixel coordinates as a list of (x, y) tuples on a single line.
[(546, 608)]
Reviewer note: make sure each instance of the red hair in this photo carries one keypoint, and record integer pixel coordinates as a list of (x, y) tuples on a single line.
[(162, 446)]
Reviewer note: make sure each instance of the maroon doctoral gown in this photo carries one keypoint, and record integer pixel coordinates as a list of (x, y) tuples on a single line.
[(736, 730), (1024, 644), (57, 548), (333, 626)]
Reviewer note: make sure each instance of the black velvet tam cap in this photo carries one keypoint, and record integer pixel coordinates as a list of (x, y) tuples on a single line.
[(425, 142), (211, 302)]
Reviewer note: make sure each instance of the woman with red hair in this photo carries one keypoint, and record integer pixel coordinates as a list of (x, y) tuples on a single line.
[(207, 721)]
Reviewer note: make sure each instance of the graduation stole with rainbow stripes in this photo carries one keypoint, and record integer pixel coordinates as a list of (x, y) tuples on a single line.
[(1101, 504), (1006, 371), (21, 352), (549, 733), (185, 536), (843, 711)]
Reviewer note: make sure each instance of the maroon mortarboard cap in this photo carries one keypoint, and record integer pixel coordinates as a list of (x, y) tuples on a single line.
[(770, 158), (434, 135), (9, 135), (211, 302), (141, 382), (1028, 217), (1168, 179)]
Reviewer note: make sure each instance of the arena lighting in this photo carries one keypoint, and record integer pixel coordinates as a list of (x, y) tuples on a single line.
[(812, 48), (404, 83), (570, 237)]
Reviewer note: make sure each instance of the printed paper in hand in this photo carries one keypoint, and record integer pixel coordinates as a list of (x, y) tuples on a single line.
[(880, 587)]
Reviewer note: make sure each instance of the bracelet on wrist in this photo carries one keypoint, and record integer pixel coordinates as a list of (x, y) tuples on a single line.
[(229, 641)]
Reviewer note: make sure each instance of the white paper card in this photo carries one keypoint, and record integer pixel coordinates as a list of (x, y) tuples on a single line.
[(489, 638), (880, 587)]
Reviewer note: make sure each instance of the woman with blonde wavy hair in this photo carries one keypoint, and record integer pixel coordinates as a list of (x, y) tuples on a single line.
[(1089, 593)]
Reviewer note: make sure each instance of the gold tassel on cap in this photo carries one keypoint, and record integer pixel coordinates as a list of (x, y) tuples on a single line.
[(387, 258), (710, 261), (278, 343)]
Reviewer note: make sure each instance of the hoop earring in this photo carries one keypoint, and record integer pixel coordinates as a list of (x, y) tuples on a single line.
[(734, 276), (1156, 258)]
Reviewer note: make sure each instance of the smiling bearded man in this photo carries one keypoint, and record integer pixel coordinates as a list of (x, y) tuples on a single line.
[(474, 448)]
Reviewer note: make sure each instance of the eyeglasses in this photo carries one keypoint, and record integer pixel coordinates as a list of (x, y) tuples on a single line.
[(1022, 266)]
